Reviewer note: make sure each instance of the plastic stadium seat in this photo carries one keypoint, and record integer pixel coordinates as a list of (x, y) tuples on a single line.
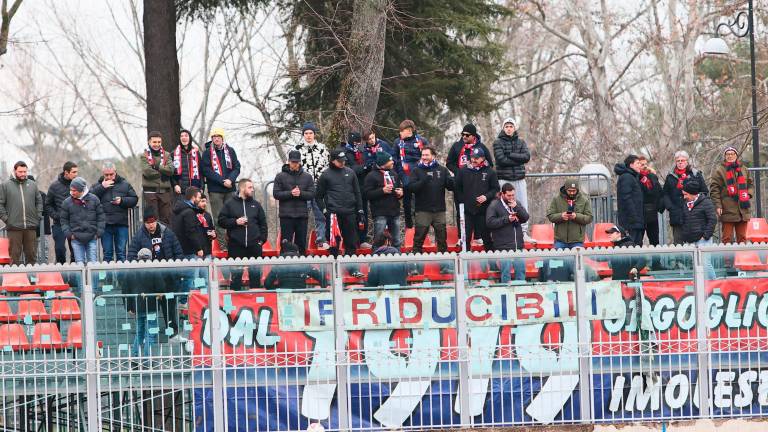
[(347, 278), (431, 274), (65, 307), (5, 311), (757, 230), (476, 247), (531, 271), (51, 282), (12, 335), (75, 334), (16, 282), (311, 249), (749, 261), (454, 245), (478, 270), (599, 237), (216, 250), (429, 245), (5, 250), (47, 336), (544, 234), (600, 267), (32, 305), (268, 250)]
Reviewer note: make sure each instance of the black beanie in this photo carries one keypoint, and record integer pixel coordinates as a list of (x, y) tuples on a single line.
[(691, 187), (470, 129)]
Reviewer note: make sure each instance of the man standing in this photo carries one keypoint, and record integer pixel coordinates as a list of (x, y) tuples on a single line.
[(294, 189), (186, 165), (117, 197), (408, 146), (21, 207), (246, 225), (83, 221), (504, 220), (314, 160), (384, 190), (157, 169), (511, 154), (673, 191), (731, 190), (57, 193), (429, 181), (571, 212), (461, 152), (338, 194), (476, 186), (186, 225), (220, 169), (630, 198), (699, 216), (653, 202), (356, 162)]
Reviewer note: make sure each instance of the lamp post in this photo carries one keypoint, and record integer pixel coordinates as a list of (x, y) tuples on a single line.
[(741, 26)]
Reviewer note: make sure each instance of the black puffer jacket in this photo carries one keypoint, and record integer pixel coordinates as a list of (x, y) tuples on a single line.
[(382, 204), (455, 153), (285, 181), (292, 277), (673, 197), (653, 199), (187, 228), (83, 218), (57, 193), (338, 191), (170, 249), (699, 222), (428, 185), (116, 214), (630, 198), (506, 235), (254, 231), (471, 183), (511, 154)]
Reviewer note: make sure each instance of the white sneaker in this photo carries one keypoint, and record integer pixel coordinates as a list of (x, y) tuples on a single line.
[(528, 239), (365, 245), (324, 246), (177, 338), (478, 242)]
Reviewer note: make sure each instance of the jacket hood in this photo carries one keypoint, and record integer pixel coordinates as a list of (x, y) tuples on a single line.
[(620, 169), (505, 137), (287, 169), (180, 206), (63, 180)]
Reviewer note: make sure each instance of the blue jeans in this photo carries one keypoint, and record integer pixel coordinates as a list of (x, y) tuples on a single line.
[(380, 223), (114, 241), (144, 338), (707, 259), (193, 273), (563, 245), (319, 221), (517, 263), (85, 252)]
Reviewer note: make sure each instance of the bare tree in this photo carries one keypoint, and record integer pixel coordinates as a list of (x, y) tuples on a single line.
[(6, 15)]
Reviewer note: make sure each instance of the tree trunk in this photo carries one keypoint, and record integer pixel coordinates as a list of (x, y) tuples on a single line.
[(6, 15), (359, 95), (162, 70)]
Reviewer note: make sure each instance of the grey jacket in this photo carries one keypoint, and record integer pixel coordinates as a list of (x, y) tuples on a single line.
[(506, 235), (21, 205)]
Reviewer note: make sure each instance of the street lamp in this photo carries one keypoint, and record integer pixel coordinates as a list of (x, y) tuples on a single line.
[(741, 26)]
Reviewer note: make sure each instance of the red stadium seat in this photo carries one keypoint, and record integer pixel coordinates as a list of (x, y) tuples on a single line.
[(65, 307), (757, 230), (51, 282), (47, 336), (347, 278), (531, 271), (544, 234), (429, 245), (216, 250), (749, 261), (268, 250), (75, 334), (5, 310), (311, 249), (600, 267), (5, 250), (16, 282), (33, 306), (454, 245), (478, 270), (12, 335), (599, 237), (431, 274)]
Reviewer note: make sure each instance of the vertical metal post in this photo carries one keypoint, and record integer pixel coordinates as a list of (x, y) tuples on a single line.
[(217, 360), (462, 229), (340, 337), (584, 339), (93, 395), (700, 291), (462, 343), (755, 128)]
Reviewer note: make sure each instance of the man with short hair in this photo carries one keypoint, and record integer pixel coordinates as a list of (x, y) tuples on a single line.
[(631, 215), (505, 219), (246, 224), (220, 169), (511, 154), (186, 225), (429, 181), (338, 194), (21, 207), (157, 169), (408, 145), (384, 190), (294, 189), (83, 221), (314, 160), (57, 193), (476, 186), (356, 162), (117, 197), (186, 165)]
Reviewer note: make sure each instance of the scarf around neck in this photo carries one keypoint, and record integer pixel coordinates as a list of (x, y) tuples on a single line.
[(736, 184), (682, 175), (645, 180)]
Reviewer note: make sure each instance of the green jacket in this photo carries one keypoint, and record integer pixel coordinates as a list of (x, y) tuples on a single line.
[(157, 176), (21, 205), (718, 191), (570, 231)]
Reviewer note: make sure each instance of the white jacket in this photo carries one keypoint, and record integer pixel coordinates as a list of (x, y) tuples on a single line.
[(314, 158)]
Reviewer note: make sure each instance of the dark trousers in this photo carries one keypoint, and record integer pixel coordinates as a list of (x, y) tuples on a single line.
[(254, 272), (162, 202), (475, 224), (171, 314), (637, 236), (295, 230), (60, 243), (362, 232), (437, 221), (652, 231), (348, 228), (23, 241)]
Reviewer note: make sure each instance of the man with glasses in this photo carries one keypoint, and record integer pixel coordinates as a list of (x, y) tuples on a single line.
[(460, 154), (117, 198)]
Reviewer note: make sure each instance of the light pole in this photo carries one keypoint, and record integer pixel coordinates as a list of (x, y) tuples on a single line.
[(741, 26)]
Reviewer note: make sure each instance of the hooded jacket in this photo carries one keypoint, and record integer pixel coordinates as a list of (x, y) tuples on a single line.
[(631, 214), (452, 160), (21, 206), (285, 181), (570, 231), (292, 276), (83, 218), (428, 185), (57, 193), (185, 180), (471, 183), (255, 231), (699, 222), (157, 177), (506, 235), (732, 211), (116, 214), (673, 197), (338, 191), (169, 244), (187, 228), (382, 204), (215, 181), (511, 154)]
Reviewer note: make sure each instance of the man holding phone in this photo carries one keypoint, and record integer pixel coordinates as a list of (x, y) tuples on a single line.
[(117, 197), (294, 189), (571, 212)]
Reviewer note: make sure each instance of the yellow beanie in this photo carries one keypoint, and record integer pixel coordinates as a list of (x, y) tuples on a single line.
[(217, 131)]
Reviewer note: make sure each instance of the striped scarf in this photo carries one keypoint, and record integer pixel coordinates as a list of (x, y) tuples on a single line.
[(736, 184)]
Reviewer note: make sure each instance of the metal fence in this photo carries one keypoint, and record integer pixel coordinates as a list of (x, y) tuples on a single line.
[(401, 341)]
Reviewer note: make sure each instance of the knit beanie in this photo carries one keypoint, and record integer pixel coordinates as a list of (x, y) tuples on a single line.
[(509, 120), (382, 158), (79, 184), (470, 129), (692, 187), (309, 126)]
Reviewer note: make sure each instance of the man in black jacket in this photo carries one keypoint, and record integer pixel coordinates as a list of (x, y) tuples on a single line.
[(653, 200), (699, 220), (294, 190), (429, 181), (630, 198), (384, 190), (57, 193), (674, 203), (511, 154), (187, 169), (117, 197), (338, 195), (356, 162), (186, 224), (505, 219), (246, 225), (476, 186), (460, 153), (625, 267)]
